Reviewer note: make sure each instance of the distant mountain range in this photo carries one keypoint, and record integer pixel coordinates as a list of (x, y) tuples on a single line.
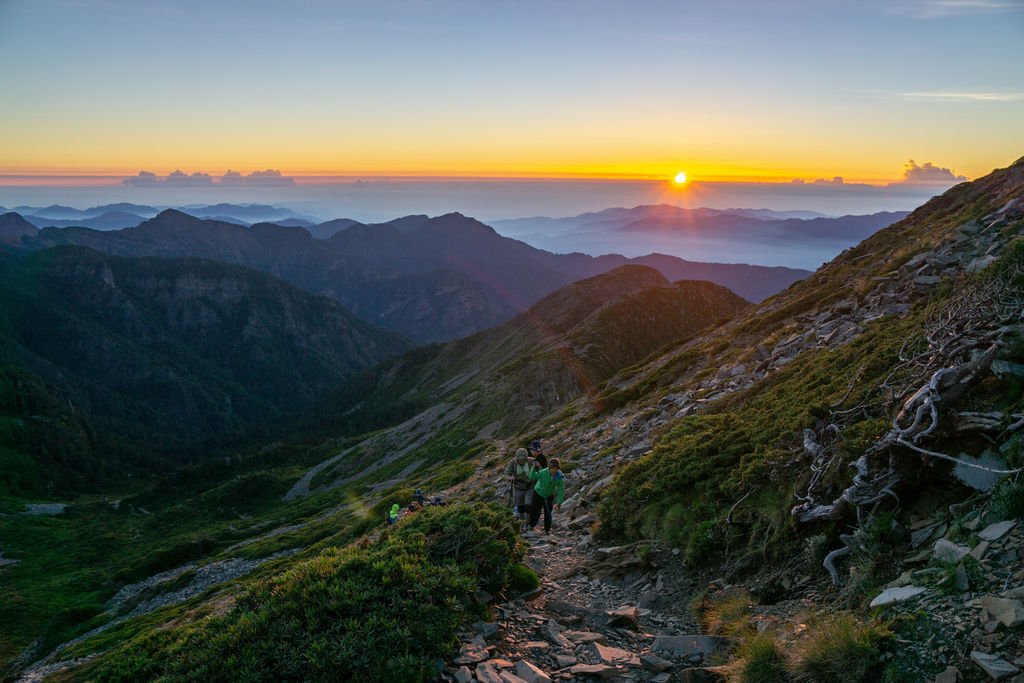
[(430, 279), (125, 215), (745, 235)]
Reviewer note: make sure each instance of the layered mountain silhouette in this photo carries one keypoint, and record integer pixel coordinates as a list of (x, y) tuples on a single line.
[(431, 279)]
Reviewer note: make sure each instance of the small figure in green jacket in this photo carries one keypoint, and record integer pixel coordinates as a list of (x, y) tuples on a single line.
[(550, 483), (393, 515)]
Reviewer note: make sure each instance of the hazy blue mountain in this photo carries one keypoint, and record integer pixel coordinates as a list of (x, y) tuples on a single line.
[(431, 279), (111, 220)]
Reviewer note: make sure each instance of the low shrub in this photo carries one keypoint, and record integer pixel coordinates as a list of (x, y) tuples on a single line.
[(522, 578), (726, 613), (838, 648), (380, 611), (760, 660)]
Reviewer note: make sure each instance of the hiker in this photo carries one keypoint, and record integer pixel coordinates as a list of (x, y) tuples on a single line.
[(537, 453), (419, 497), (518, 472), (550, 483), (393, 515)]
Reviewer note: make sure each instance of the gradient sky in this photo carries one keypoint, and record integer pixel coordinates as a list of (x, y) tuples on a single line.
[(760, 89)]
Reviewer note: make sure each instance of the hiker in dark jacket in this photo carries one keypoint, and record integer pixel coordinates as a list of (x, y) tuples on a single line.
[(550, 485), (537, 453), (518, 472)]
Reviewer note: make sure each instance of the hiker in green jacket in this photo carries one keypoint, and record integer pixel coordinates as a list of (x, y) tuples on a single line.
[(550, 483), (393, 515)]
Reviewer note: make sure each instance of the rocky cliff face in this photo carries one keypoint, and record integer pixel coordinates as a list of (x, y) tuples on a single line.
[(184, 347)]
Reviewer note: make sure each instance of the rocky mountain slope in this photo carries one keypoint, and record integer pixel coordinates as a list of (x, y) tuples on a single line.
[(169, 351), (431, 279), (816, 428)]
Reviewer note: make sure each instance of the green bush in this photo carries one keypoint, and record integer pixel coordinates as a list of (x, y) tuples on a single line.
[(385, 611), (522, 578)]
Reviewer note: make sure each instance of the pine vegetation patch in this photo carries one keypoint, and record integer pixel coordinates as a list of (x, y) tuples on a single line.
[(380, 611)]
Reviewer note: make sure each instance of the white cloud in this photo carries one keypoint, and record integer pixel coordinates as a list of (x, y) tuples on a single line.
[(938, 9), (964, 96), (929, 173)]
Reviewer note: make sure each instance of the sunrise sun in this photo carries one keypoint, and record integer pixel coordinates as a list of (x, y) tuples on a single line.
[(680, 178)]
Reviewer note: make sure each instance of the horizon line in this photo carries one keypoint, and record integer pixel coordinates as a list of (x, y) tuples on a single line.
[(82, 178)]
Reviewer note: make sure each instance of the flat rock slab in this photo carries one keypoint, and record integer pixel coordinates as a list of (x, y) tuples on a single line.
[(996, 668), (530, 673), (598, 670), (584, 636), (1009, 613), (891, 596), (614, 655), (507, 677), (692, 645), (993, 532)]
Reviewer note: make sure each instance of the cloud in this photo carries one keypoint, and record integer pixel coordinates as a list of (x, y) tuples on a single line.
[(928, 173), (837, 180), (271, 176), (938, 9), (963, 96)]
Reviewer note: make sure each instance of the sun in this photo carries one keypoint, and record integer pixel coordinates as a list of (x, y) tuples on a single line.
[(680, 178)]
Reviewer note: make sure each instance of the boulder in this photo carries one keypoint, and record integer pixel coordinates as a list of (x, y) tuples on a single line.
[(463, 675), (472, 652), (530, 673), (564, 661), (624, 617), (996, 668), (508, 677), (949, 552), (654, 663), (485, 673), (1009, 613), (950, 675)]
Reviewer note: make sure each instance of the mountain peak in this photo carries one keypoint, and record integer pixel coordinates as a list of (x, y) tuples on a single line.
[(13, 225)]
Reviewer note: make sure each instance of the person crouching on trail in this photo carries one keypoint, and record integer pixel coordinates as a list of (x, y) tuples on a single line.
[(518, 471), (550, 483)]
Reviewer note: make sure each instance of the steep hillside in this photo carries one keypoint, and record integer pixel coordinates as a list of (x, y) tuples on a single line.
[(505, 379), (176, 349)]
